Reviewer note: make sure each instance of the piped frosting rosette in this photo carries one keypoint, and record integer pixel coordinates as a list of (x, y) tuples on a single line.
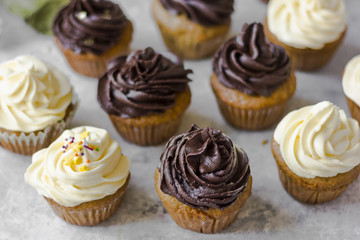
[(306, 24), (37, 104), (82, 165), (319, 141)]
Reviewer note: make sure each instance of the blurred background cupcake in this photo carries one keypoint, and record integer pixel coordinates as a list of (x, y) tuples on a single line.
[(90, 33), (203, 180), (351, 86), (317, 151), (310, 31), (252, 79), (145, 95), (83, 175), (193, 29), (37, 104)]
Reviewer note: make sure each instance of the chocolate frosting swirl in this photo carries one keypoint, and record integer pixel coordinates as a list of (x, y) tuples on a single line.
[(140, 84), (90, 26), (203, 169), (251, 64), (208, 13)]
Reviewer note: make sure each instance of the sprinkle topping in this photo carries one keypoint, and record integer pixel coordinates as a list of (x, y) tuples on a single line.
[(77, 148)]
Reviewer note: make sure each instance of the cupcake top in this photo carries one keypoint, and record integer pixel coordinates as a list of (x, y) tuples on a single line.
[(140, 84), (203, 169), (251, 64), (319, 141), (90, 26), (306, 24), (33, 94), (82, 165), (207, 13), (351, 80)]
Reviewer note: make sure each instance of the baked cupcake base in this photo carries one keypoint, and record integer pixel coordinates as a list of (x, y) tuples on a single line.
[(312, 190), (185, 38), (198, 220), (354, 109), (90, 213), (28, 143), (252, 112), (307, 59), (92, 65), (155, 128)]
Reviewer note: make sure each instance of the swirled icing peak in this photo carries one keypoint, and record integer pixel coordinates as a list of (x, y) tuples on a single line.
[(33, 95), (319, 141), (208, 13), (203, 169), (140, 84), (251, 64), (82, 165), (90, 26), (351, 79), (306, 24)]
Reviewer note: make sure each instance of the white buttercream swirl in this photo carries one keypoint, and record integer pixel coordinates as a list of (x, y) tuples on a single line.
[(351, 80), (319, 141), (306, 23), (101, 172), (33, 95)]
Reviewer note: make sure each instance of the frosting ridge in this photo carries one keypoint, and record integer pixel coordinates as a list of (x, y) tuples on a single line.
[(141, 83), (250, 63), (319, 141), (351, 79), (202, 168), (90, 25), (306, 24), (33, 95), (82, 165), (208, 13)]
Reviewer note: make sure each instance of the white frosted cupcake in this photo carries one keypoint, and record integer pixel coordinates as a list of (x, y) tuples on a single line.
[(83, 175), (317, 151), (351, 86), (37, 104), (310, 31)]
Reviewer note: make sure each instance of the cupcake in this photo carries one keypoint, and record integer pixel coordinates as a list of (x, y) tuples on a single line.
[(317, 151), (310, 31), (252, 79), (203, 180), (82, 175), (351, 86), (193, 29), (90, 33), (37, 104), (145, 95)]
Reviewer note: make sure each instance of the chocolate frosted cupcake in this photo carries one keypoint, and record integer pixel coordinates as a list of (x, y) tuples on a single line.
[(252, 79), (90, 33), (145, 95), (203, 180), (193, 29)]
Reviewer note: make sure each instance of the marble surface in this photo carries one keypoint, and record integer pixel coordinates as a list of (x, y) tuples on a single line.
[(270, 213)]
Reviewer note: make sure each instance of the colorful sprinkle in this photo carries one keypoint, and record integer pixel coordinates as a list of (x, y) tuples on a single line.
[(88, 161), (83, 168), (78, 160)]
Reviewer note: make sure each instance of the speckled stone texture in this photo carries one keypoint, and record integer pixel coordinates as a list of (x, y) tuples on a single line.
[(269, 213)]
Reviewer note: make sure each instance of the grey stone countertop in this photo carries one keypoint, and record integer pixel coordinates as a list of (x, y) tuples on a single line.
[(270, 213)]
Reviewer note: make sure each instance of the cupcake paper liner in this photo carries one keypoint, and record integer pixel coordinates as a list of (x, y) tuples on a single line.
[(354, 109), (96, 65), (307, 59), (155, 128), (312, 190), (90, 213), (185, 38), (29, 143), (202, 221)]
